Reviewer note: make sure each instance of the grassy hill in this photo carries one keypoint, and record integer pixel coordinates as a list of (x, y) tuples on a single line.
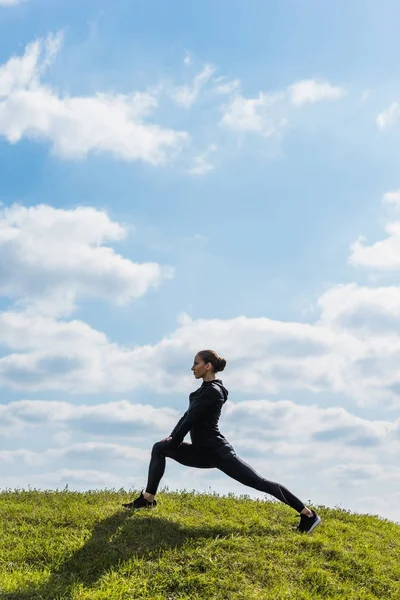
[(66, 545)]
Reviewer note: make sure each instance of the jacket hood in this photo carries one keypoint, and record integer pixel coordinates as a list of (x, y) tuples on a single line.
[(219, 383)]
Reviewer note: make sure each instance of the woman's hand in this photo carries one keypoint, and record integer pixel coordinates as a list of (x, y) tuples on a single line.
[(168, 439)]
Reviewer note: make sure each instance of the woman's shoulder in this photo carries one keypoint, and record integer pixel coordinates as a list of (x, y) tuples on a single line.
[(213, 390)]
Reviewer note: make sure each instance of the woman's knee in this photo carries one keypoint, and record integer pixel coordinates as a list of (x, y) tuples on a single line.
[(160, 448), (157, 447)]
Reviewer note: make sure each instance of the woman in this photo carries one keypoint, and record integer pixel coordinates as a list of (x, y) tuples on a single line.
[(209, 448)]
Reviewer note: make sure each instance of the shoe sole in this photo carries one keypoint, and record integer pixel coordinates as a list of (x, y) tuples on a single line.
[(136, 508)]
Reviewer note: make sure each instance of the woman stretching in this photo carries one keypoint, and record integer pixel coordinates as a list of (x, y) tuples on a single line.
[(209, 448)]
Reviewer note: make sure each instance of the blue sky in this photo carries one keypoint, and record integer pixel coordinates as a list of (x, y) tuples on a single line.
[(179, 175)]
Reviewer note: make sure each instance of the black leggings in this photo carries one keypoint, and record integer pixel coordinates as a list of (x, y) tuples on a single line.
[(229, 464)]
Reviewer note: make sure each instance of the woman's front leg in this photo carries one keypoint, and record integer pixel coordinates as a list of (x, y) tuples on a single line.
[(156, 469)]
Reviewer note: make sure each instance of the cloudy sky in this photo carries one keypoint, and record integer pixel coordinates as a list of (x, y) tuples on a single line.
[(178, 176)]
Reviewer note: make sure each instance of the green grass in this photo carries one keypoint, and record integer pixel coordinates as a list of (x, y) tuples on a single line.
[(67, 545)]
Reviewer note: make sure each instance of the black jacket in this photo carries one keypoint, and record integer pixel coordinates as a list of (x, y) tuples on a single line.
[(202, 417)]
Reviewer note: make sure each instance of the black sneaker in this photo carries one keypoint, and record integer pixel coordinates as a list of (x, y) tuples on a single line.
[(307, 524), (140, 502)]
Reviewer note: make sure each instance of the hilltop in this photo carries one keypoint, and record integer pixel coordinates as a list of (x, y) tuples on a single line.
[(67, 545)]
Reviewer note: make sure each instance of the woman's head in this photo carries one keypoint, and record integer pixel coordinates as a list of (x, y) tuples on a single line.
[(207, 363)]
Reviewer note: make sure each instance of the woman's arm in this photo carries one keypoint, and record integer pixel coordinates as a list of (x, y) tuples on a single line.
[(194, 413), (178, 424), (169, 438)]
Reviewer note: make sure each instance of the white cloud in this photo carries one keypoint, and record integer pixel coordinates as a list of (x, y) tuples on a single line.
[(253, 114), (372, 317), (282, 428), (83, 359), (382, 255), (87, 477), (202, 164), (76, 126), (223, 86), (353, 474), (350, 349), (94, 451), (51, 257), (266, 114), (119, 419), (75, 479), (263, 355), (388, 117), (385, 254), (287, 421), (27, 456), (100, 451), (311, 91), (372, 310), (186, 95), (392, 198)]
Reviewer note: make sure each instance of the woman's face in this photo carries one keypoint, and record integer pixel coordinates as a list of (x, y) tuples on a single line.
[(199, 367)]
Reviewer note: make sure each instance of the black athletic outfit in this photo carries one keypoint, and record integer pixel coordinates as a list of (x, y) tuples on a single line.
[(209, 448)]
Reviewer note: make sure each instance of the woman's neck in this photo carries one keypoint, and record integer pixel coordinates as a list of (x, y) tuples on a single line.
[(209, 377)]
